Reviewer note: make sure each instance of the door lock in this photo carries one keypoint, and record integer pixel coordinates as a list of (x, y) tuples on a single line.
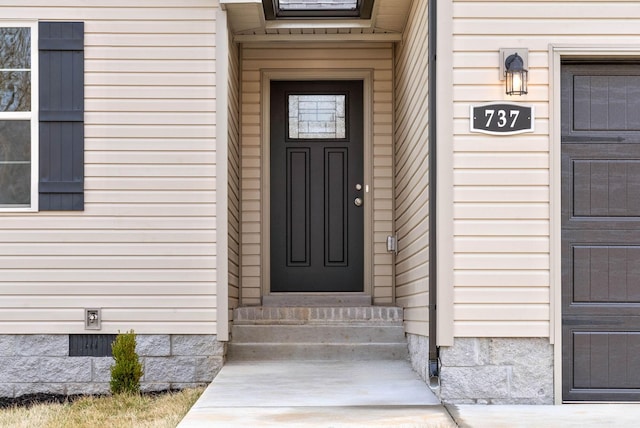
[(357, 202)]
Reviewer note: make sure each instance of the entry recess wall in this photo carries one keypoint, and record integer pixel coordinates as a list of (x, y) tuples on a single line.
[(255, 59), (412, 171), (234, 176)]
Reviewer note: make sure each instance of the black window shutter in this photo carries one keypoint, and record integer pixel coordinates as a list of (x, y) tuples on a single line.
[(61, 86)]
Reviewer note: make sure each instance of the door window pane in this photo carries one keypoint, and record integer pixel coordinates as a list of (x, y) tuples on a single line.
[(317, 117)]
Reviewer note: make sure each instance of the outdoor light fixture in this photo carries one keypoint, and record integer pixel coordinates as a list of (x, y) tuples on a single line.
[(513, 70), (516, 75)]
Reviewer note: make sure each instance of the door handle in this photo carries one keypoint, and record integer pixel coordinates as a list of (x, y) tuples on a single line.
[(357, 202)]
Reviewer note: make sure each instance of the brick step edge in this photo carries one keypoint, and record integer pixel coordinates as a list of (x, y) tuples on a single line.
[(299, 315)]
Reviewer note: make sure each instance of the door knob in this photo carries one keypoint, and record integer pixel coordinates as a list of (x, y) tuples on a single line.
[(357, 202)]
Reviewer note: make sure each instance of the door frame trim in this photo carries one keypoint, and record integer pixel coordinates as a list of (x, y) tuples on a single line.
[(266, 76), (558, 52)]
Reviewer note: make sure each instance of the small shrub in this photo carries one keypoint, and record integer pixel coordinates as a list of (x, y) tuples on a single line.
[(127, 370)]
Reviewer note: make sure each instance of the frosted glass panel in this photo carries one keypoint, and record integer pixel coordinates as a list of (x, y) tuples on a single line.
[(317, 117)]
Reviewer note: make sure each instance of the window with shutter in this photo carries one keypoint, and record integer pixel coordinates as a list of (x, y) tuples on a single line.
[(41, 116)]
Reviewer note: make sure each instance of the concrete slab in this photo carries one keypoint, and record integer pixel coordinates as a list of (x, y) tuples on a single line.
[(328, 417), (317, 393), (586, 415)]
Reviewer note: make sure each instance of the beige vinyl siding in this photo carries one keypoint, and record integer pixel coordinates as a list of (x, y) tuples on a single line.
[(501, 184), (412, 171), (144, 249), (256, 58), (234, 176)]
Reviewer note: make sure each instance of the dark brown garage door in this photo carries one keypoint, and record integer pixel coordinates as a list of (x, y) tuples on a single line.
[(601, 231)]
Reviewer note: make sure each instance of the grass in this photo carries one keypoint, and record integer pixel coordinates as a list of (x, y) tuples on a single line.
[(123, 410)]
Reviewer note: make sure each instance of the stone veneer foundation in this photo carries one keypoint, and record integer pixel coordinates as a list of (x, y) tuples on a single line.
[(419, 355), (41, 364), (489, 371), (497, 371)]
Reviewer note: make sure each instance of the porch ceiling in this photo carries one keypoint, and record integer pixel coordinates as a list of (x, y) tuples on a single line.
[(248, 24)]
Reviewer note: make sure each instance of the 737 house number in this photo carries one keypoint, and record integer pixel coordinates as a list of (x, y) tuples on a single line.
[(501, 118)]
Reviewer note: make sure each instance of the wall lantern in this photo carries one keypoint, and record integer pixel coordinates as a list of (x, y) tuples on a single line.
[(513, 70)]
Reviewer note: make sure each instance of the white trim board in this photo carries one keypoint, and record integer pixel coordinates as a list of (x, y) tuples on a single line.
[(222, 175), (444, 185)]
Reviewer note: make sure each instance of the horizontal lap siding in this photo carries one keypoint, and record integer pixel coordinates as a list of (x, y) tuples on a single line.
[(343, 56), (501, 184), (411, 172), (144, 248), (234, 176)]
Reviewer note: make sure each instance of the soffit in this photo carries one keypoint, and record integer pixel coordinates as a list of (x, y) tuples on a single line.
[(247, 23)]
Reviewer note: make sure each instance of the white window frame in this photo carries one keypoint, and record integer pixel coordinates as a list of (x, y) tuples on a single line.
[(32, 115)]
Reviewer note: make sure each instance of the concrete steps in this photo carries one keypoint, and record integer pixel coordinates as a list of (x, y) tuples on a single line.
[(318, 333)]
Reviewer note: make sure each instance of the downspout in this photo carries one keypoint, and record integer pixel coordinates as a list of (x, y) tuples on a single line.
[(434, 361)]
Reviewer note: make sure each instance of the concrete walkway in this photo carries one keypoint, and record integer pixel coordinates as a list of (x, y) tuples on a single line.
[(386, 393), (383, 393), (566, 416)]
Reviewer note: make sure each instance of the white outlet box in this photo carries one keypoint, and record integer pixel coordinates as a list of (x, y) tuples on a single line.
[(92, 319)]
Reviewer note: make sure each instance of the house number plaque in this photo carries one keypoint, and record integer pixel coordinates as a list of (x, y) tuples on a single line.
[(502, 118)]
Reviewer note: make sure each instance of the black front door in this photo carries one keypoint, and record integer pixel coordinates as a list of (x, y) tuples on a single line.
[(317, 189)]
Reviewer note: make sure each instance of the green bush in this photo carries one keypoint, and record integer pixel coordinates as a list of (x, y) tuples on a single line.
[(127, 370)]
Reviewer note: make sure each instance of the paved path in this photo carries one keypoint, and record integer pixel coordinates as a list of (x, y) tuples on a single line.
[(368, 394), (385, 393), (565, 416)]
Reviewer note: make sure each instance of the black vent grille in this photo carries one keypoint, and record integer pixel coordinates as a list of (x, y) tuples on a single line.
[(90, 345)]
